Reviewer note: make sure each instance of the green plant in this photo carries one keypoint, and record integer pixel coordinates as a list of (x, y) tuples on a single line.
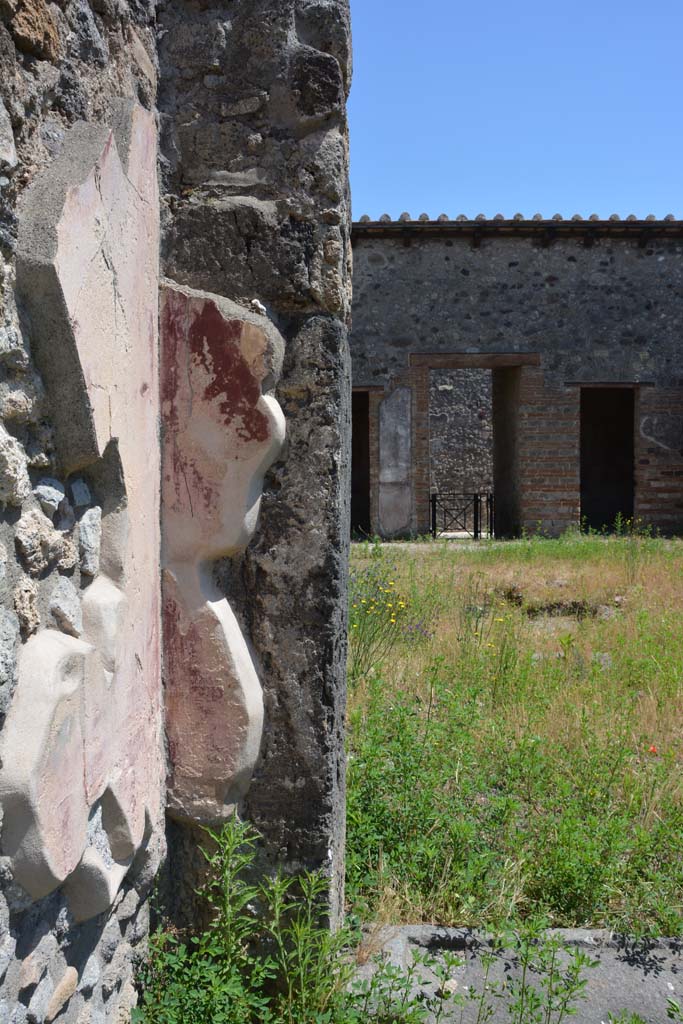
[(212, 976), (379, 617), (673, 1011), (559, 976), (626, 1017), (562, 977), (281, 966)]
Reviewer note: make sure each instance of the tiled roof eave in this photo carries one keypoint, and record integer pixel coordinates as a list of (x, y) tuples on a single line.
[(548, 229)]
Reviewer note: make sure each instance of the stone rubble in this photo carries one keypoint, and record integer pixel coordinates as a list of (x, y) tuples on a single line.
[(80, 493), (65, 607), (50, 494), (89, 540), (40, 545), (25, 600), (15, 485), (9, 636)]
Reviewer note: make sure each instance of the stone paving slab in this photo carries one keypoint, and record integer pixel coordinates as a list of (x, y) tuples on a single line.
[(634, 975)]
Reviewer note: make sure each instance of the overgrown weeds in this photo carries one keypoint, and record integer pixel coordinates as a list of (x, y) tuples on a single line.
[(279, 965), (522, 761), (283, 965), (380, 618)]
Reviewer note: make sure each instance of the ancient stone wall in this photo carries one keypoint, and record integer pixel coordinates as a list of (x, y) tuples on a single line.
[(565, 305), (82, 836), (461, 431), (125, 450)]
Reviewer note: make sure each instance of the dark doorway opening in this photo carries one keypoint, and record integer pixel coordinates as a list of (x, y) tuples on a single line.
[(360, 463), (506, 391), (607, 470)]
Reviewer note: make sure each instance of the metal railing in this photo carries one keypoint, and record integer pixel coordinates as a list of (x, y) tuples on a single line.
[(453, 513)]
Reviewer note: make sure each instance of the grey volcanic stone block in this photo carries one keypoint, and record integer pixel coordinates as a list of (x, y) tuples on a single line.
[(255, 148), (8, 151), (89, 540), (65, 607), (80, 492), (50, 494), (638, 976), (9, 635), (298, 564), (14, 480)]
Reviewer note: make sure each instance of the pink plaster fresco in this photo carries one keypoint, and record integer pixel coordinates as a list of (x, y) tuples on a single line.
[(109, 751), (220, 435)]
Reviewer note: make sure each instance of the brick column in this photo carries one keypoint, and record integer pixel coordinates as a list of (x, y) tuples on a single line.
[(659, 458), (549, 454)]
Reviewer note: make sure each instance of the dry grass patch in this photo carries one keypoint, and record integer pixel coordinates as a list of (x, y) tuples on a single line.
[(516, 744)]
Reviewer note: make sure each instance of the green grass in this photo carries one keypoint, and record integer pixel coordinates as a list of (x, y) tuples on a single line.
[(524, 756)]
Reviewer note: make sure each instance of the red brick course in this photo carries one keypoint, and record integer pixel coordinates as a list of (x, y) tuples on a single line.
[(549, 445)]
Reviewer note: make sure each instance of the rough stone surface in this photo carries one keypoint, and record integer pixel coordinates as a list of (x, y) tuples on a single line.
[(15, 485), (35, 29), (65, 607), (80, 493), (63, 991), (9, 636), (604, 312), (25, 599), (50, 494), (39, 544), (461, 431), (90, 540), (256, 208), (8, 151)]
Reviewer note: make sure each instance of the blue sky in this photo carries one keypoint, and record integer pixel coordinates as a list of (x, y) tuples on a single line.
[(497, 106)]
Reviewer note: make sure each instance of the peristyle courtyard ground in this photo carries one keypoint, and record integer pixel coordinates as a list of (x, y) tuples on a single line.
[(514, 733)]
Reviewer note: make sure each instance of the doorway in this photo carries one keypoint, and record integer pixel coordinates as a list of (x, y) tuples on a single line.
[(474, 435), (360, 463), (607, 455)]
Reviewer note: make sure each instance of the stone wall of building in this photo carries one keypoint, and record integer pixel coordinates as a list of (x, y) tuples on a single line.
[(67, 950), (561, 304), (254, 237), (460, 431)]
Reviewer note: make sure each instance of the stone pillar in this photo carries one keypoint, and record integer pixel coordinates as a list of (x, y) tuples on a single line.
[(395, 463), (256, 211)]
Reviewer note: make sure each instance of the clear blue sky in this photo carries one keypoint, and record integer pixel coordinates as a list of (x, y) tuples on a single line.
[(500, 106)]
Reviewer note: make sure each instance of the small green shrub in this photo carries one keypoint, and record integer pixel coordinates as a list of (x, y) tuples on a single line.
[(282, 966), (379, 618)]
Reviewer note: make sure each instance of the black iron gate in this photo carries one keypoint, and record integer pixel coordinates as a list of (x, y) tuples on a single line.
[(472, 514)]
